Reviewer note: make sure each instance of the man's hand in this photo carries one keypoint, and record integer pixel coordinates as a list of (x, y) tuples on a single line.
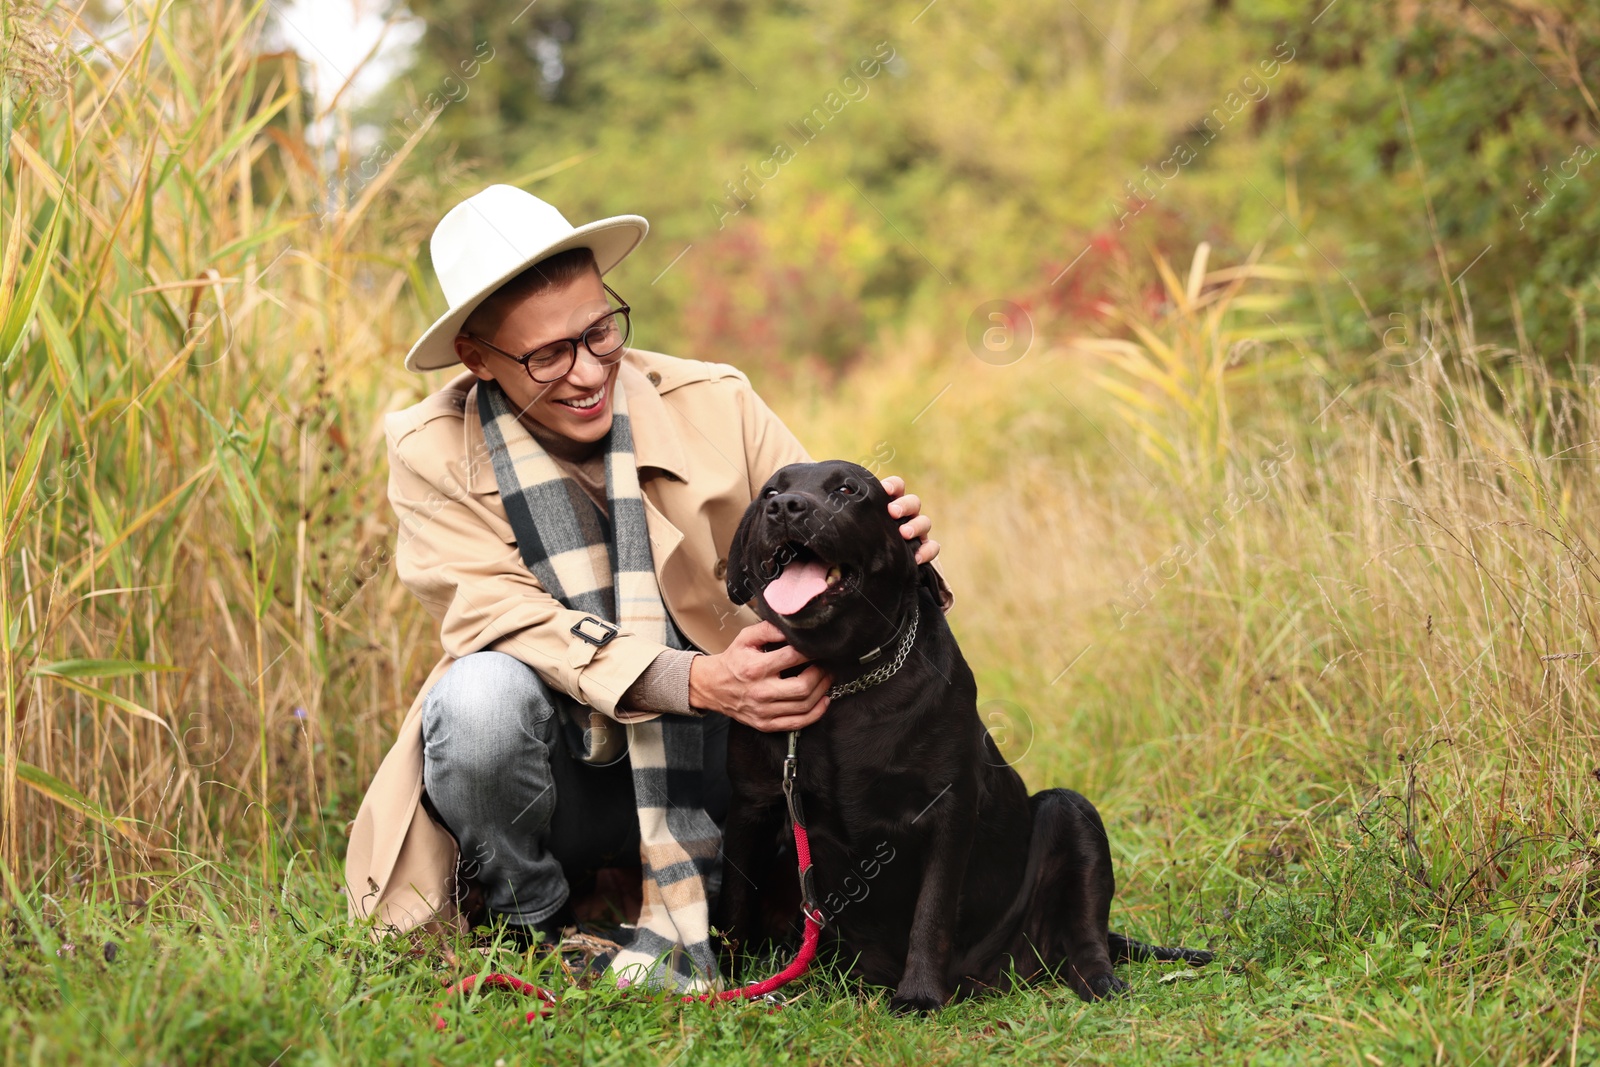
[(903, 505), (742, 683)]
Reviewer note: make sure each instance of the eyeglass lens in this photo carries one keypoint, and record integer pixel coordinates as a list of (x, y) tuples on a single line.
[(604, 338)]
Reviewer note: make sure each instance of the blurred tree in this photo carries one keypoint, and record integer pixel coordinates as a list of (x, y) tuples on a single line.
[(987, 147), (1506, 132), (976, 145)]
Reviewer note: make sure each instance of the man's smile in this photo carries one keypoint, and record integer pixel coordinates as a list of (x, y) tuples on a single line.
[(587, 405)]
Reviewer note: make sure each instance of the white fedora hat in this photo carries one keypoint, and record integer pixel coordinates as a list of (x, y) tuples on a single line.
[(490, 238)]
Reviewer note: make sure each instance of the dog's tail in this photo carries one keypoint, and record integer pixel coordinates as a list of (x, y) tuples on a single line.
[(1125, 949)]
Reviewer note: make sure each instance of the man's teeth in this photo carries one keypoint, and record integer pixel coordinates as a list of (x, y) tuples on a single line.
[(586, 403), (833, 575)]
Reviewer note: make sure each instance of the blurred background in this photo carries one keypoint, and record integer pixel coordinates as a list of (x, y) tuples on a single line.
[(837, 169), (1241, 351)]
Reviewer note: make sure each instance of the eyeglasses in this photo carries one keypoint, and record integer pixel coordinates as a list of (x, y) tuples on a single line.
[(554, 360)]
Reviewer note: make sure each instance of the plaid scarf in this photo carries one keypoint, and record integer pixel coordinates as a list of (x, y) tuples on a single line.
[(563, 539)]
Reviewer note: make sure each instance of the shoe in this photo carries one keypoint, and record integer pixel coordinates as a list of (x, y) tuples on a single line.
[(608, 931), (545, 932)]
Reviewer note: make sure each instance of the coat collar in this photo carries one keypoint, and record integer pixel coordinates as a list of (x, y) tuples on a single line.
[(655, 440)]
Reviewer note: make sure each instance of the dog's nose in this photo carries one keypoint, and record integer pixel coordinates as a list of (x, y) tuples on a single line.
[(792, 505)]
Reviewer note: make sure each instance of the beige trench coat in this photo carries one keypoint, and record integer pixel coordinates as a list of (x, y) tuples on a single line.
[(704, 443)]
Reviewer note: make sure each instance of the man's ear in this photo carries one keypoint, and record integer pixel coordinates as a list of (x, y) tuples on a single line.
[(741, 587), (471, 357)]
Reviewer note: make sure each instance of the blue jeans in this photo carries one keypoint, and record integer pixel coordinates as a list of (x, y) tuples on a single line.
[(531, 819)]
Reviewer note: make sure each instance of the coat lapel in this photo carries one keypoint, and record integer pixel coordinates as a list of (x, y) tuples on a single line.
[(655, 439)]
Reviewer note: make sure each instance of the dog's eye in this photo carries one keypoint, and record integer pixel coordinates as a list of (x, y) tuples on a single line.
[(770, 492), (847, 489)]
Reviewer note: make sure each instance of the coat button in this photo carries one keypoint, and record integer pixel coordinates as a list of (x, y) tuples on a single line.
[(720, 571), (655, 378)]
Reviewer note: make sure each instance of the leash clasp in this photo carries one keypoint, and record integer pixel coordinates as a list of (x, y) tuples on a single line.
[(797, 817), (791, 768)]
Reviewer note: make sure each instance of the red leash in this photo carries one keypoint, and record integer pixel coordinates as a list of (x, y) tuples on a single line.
[(802, 962), (501, 981), (808, 943)]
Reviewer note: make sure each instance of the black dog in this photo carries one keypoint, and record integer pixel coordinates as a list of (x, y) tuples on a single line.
[(942, 875)]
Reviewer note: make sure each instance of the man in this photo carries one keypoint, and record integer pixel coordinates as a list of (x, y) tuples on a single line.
[(565, 507)]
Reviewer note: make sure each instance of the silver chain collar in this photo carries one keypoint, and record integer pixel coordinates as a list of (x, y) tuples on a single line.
[(885, 672)]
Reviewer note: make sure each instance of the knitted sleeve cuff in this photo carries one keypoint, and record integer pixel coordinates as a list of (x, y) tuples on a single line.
[(664, 685)]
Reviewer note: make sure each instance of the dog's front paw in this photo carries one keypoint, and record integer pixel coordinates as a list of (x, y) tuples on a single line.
[(908, 1000), (1112, 987), (1097, 984)]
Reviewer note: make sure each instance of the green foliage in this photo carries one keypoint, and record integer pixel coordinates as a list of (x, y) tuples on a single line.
[(1357, 893), (1002, 140), (1474, 125), (966, 155)]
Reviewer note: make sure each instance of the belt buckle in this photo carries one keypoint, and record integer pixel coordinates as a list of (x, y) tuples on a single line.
[(607, 631)]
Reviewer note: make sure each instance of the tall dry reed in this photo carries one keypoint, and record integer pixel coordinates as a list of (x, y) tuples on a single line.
[(203, 645)]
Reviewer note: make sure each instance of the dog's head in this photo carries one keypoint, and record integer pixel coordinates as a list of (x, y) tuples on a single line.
[(823, 559)]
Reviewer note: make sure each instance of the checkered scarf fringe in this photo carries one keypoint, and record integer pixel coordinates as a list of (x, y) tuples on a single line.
[(562, 537)]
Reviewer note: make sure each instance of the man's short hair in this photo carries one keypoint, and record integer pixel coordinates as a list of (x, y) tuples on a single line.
[(548, 273)]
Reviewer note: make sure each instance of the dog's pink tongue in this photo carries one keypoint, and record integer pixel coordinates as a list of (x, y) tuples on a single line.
[(794, 588)]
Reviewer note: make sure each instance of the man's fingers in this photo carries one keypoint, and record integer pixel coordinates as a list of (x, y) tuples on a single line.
[(796, 722), (917, 527), (802, 687), (894, 485), (815, 713), (927, 551), (781, 659), (803, 690), (820, 689), (905, 506), (760, 633)]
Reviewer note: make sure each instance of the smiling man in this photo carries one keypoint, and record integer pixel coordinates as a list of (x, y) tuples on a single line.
[(565, 508)]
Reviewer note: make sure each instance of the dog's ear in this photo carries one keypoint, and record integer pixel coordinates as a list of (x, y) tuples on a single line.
[(929, 578), (741, 587)]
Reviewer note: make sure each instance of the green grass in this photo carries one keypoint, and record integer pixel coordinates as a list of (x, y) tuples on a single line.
[(1348, 746), (1340, 957)]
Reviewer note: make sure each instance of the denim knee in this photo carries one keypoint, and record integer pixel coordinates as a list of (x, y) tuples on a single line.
[(488, 730), (485, 711)]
